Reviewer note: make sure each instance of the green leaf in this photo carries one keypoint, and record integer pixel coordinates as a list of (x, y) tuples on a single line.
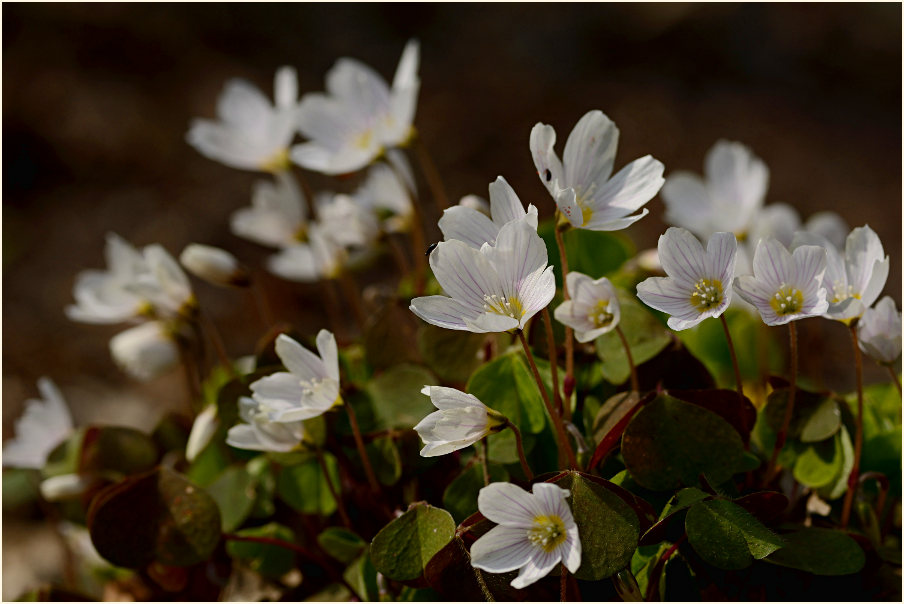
[(646, 337), (342, 544), (594, 253), (608, 527), (814, 412), (460, 497), (403, 547), (452, 355), (389, 334), (823, 422), (269, 560), (882, 453), (507, 385), (503, 449), (362, 576), (820, 551), (234, 492), (684, 498), (819, 463), (210, 463), (669, 443), (158, 516), (19, 487), (397, 398), (385, 459), (727, 536), (838, 486), (304, 486)]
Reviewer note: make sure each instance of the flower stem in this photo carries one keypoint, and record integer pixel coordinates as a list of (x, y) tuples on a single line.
[(214, 334), (563, 585), (331, 306), (340, 505), (569, 332), (894, 377), (853, 481), (418, 236), (485, 462), (359, 443), (789, 408), (353, 295), (520, 445), (554, 366), (556, 418), (634, 385), (734, 357), (428, 168)]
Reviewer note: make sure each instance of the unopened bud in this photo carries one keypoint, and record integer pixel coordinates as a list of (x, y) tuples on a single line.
[(475, 203), (214, 265), (202, 431), (569, 386), (145, 351), (65, 486)]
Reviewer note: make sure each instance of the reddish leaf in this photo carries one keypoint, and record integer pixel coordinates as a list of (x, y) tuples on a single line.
[(610, 441), (739, 412)]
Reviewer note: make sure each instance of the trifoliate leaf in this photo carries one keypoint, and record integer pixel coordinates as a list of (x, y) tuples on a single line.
[(820, 551), (403, 547), (727, 536)]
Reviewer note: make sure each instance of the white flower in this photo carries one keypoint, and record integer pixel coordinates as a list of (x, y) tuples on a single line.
[(164, 284), (473, 227), (728, 200), (462, 420), (854, 282), (698, 285), (319, 258), (593, 308), (66, 486), (879, 331), (259, 433), (536, 531), (476, 202), (214, 265), (103, 296), (44, 424), (830, 225), (277, 216), (496, 288), (581, 184), (310, 387), (252, 133), (785, 287), (384, 193), (202, 430), (145, 351), (359, 116), (345, 221)]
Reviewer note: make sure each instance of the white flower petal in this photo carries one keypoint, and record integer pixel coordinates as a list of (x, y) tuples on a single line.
[(536, 568), (687, 203), (285, 87), (281, 387), (504, 203), (634, 185), (502, 549), (467, 225), (682, 256), (329, 353), (301, 362), (549, 167), (443, 312), (590, 151), (736, 179), (464, 273), (508, 504)]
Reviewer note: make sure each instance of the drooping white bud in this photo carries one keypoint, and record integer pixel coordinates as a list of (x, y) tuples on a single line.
[(145, 351), (214, 265)]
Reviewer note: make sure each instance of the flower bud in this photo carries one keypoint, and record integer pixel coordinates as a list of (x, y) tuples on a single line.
[(145, 351), (214, 265), (202, 431), (65, 486)]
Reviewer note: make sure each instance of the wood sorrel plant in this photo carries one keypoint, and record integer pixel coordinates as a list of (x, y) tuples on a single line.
[(427, 454)]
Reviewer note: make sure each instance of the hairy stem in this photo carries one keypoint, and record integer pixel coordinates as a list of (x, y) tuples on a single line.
[(734, 357), (362, 451), (894, 377), (334, 491), (564, 443), (485, 461), (569, 332), (853, 481), (521, 457), (789, 408), (554, 366)]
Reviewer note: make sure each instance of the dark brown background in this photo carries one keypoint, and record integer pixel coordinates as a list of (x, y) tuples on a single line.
[(97, 100)]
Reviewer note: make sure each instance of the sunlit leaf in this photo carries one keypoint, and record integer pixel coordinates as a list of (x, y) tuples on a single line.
[(727, 536), (403, 547), (396, 396), (267, 559)]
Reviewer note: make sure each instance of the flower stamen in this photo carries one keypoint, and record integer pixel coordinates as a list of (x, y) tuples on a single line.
[(707, 294), (548, 532), (787, 300), (503, 306)]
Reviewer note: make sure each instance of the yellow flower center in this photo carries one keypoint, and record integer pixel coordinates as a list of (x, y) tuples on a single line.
[(280, 162), (509, 307), (841, 293), (787, 300), (548, 532), (707, 294), (364, 139), (600, 315)]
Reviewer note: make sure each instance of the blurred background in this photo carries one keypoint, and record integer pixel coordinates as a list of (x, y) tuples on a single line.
[(97, 100)]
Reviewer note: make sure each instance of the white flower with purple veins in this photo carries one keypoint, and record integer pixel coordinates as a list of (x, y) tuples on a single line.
[(308, 389), (44, 424), (496, 288), (474, 227), (536, 531), (728, 198), (699, 282), (104, 296), (165, 285), (879, 331), (252, 133), (277, 216), (259, 433), (593, 308), (461, 420), (319, 258), (359, 116), (785, 287), (581, 184), (852, 282), (145, 351)]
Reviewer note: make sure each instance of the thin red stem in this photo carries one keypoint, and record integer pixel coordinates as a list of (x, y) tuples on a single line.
[(789, 409), (634, 385), (853, 482), (554, 366)]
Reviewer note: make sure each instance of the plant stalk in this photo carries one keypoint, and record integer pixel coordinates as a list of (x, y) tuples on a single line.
[(569, 332), (520, 446), (334, 491), (554, 366), (734, 357), (634, 385), (789, 408), (362, 451), (853, 482)]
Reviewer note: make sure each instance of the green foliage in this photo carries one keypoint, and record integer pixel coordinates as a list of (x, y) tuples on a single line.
[(19, 487), (607, 526), (594, 253), (820, 551), (304, 486), (669, 443), (156, 516), (453, 355), (385, 459), (727, 536), (646, 337), (234, 492), (269, 560), (403, 547), (460, 497), (342, 544), (396, 396)]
